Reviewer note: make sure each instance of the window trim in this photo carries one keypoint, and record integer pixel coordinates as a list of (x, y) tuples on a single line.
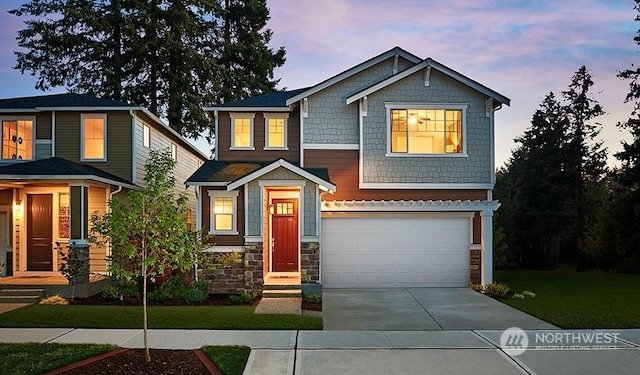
[(83, 117), (33, 137), (276, 116), (146, 135), (213, 194), (412, 105), (242, 116), (174, 152)]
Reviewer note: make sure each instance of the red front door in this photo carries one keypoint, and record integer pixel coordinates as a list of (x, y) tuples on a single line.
[(39, 232), (284, 232)]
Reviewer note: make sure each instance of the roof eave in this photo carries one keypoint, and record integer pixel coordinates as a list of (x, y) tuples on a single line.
[(248, 109), (103, 180), (325, 185)]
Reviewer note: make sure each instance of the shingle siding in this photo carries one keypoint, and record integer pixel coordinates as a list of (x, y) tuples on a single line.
[(330, 120), (475, 168)]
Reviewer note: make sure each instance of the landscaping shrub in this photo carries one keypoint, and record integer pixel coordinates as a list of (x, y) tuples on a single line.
[(313, 298), (244, 297), (157, 295), (54, 300), (111, 292), (496, 290), (477, 287), (129, 289), (174, 287), (195, 295)]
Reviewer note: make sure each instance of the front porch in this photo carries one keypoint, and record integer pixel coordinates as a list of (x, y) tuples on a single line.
[(52, 285)]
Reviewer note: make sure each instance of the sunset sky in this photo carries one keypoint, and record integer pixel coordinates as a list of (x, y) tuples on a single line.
[(522, 49)]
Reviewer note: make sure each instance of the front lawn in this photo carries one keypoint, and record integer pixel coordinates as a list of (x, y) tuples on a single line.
[(26, 359), (187, 317), (570, 299)]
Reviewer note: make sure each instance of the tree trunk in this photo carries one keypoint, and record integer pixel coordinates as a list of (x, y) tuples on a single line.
[(147, 355)]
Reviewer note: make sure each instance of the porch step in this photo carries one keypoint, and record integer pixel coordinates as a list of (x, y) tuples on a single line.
[(21, 295), (281, 286), (282, 293)]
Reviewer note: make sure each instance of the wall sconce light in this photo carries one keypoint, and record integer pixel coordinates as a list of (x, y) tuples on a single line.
[(17, 205), (271, 209)]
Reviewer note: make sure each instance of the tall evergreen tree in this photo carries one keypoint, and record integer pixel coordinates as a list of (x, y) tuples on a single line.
[(172, 56)]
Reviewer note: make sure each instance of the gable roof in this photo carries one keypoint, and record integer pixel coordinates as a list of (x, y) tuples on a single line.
[(234, 174), (427, 64), (57, 168), (59, 100), (354, 70), (272, 101)]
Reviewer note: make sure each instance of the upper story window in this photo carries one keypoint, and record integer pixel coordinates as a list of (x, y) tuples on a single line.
[(94, 137), (427, 130), (223, 208), (242, 130), (275, 130), (17, 138), (146, 136)]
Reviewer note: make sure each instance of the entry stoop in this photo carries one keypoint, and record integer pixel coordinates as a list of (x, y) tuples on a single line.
[(17, 295), (282, 286)]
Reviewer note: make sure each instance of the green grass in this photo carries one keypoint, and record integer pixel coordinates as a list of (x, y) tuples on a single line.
[(230, 360), (187, 317), (570, 299), (22, 359)]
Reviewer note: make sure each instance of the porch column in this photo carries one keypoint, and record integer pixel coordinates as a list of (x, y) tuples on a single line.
[(486, 263), (79, 199)]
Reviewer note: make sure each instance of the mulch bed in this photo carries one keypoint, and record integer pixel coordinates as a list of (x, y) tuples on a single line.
[(131, 361), (311, 306)]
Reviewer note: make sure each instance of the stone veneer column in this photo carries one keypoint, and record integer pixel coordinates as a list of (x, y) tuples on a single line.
[(253, 270), (475, 258), (310, 262)]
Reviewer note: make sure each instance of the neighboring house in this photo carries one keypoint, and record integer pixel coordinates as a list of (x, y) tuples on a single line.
[(62, 158), (380, 176)]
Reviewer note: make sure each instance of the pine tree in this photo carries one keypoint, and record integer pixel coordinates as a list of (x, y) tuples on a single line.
[(171, 56)]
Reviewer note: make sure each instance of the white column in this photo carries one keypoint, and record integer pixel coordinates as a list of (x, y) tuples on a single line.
[(486, 264)]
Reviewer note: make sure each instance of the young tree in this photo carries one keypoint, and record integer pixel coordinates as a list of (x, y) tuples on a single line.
[(148, 232), (172, 56)]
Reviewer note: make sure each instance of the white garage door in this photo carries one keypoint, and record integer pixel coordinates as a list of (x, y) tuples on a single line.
[(370, 251)]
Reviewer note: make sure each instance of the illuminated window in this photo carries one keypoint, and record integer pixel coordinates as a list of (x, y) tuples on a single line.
[(276, 130), (426, 131), (94, 137), (17, 139), (146, 136), (242, 130), (223, 206)]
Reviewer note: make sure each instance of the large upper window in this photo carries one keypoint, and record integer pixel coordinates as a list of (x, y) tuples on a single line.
[(275, 130), (242, 130), (17, 139), (426, 131), (94, 137), (223, 206)]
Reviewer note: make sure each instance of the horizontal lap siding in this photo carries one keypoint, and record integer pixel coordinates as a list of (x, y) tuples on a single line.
[(97, 205), (224, 140), (224, 240), (343, 172)]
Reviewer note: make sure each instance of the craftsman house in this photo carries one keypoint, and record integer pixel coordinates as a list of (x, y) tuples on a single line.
[(62, 158), (380, 176)]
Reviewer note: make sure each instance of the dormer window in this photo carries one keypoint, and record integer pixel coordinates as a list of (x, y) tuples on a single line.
[(242, 130), (426, 130)]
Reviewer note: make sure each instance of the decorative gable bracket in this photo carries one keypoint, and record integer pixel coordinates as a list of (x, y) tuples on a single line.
[(427, 76), (364, 104), (489, 107), (305, 107)]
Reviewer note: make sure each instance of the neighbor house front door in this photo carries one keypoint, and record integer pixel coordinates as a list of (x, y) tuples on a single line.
[(39, 232), (284, 231)]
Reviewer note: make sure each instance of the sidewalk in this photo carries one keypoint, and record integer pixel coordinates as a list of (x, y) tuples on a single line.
[(371, 352)]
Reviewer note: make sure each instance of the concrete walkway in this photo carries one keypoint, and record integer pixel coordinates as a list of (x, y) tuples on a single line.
[(420, 309), (381, 352)]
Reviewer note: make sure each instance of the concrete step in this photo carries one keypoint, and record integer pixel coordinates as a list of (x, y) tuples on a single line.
[(283, 293), (277, 286), (20, 299)]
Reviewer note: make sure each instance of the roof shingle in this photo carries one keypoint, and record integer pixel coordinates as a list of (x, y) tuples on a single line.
[(60, 100)]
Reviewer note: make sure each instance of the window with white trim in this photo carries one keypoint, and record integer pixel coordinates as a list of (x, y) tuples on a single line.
[(275, 130), (17, 138), (242, 130), (94, 137), (146, 135), (223, 212), (426, 131)]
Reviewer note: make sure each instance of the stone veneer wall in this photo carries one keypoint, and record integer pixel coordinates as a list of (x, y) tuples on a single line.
[(226, 281), (310, 262), (253, 270), (475, 257)]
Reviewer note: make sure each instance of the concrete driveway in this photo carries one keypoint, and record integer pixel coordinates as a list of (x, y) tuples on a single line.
[(408, 309)]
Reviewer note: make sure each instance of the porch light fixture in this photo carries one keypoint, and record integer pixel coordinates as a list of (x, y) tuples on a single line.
[(17, 205), (271, 209)]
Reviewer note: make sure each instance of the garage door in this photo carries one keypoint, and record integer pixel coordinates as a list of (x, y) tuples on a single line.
[(373, 251)]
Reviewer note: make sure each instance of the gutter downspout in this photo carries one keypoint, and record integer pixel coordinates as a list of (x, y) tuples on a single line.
[(133, 146)]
